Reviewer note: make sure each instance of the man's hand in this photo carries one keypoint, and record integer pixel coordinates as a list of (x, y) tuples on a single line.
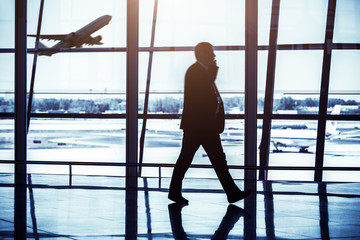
[(212, 71)]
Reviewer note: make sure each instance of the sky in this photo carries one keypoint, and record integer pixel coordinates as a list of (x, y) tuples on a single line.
[(185, 23)]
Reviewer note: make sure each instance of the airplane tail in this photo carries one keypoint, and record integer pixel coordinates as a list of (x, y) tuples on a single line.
[(43, 46), (332, 125), (336, 110)]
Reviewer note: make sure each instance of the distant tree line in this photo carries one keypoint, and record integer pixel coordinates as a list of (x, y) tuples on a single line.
[(160, 105), (6, 105), (164, 105), (288, 103)]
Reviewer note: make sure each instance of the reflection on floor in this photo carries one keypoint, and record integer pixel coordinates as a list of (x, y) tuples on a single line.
[(94, 208)]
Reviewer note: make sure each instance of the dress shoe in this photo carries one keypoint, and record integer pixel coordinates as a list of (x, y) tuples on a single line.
[(178, 199), (238, 196)]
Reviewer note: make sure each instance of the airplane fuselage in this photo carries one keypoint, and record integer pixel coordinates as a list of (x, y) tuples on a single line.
[(78, 38), (81, 35)]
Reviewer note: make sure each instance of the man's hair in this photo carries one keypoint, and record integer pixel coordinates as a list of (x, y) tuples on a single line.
[(201, 48)]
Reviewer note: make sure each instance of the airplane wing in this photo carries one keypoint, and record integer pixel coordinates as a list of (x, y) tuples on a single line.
[(347, 135), (59, 37)]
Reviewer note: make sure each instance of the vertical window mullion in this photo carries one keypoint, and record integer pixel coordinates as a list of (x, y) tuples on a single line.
[(20, 120), (269, 91), (32, 81), (132, 62), (324, 91), (146, 101), (251, 29)]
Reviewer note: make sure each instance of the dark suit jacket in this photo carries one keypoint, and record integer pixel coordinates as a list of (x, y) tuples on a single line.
[(200, 101)]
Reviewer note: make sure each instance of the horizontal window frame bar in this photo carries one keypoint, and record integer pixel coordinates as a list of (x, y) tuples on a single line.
[(311, 46), (345, 93), (162, 165), (7, 50), (178, 116)]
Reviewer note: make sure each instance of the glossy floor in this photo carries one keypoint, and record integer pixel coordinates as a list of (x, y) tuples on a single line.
[(101, 208)]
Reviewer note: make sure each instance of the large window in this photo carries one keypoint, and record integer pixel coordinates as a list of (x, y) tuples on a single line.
[(78, 110)]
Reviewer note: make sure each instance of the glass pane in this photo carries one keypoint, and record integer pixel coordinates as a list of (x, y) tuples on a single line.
[(297, 80), (298, 71), (232, 140), (347, 21), (33, 8), (6, 106), (262, 72), (344, 77), (80, 140), (187, 22), (302, 21), (168, 71), (146, 12), (264, 20), (231, 75), (94, 73), (7, 74), (6, 144), (342, 149), (68, 16), (293, 143), (7, 23)]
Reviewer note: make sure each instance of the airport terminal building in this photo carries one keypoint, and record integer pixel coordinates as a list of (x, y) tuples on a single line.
[(91, 101)]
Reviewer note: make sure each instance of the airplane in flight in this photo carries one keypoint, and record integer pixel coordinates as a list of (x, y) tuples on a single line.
[(75, 39)]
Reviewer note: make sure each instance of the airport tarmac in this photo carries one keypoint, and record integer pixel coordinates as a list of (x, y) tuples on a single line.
[(98, 140)]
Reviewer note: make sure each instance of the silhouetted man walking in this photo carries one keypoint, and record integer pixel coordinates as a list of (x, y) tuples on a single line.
[(202, 122)]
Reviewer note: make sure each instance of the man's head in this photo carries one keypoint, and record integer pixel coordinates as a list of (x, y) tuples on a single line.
[(204, 53)]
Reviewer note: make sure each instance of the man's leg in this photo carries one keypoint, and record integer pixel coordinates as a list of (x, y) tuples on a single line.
[(190, 145), (212, 145)]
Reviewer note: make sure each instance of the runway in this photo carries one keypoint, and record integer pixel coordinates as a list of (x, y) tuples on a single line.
[(103, 140)]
